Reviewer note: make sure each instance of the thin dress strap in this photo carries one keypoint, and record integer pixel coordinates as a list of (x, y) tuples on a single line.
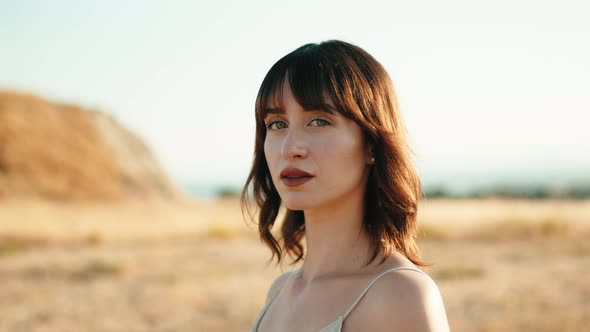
[(293, 273), (374, 281)]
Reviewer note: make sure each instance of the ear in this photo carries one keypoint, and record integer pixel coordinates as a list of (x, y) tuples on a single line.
[(369, 157)]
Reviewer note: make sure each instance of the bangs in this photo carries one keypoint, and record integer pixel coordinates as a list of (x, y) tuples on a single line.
[(304, 70)]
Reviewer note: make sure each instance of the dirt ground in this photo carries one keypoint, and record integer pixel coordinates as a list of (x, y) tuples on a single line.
[(500, 266)]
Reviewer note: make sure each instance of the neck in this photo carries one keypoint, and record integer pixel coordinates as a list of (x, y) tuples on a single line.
[(335, 240)]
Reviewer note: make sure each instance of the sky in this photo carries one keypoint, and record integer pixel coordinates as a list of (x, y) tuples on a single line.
[(486, 89)]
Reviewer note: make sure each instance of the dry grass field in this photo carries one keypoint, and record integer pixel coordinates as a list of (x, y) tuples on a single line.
[(196, 266)]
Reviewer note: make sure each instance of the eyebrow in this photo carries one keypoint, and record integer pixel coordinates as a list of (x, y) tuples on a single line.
[(279, 110)]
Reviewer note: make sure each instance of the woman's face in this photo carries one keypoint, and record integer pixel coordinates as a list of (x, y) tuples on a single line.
[(316, 158)]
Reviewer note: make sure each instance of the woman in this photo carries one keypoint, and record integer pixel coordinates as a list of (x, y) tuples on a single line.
[(332, 148)]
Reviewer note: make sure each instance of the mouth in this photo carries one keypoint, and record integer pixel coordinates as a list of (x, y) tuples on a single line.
[(292, 177), (295, 181)]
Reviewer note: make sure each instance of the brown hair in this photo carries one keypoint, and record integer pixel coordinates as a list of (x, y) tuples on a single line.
[(362, 91)]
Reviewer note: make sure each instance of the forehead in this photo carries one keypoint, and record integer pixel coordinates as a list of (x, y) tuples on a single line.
[(282, 96)]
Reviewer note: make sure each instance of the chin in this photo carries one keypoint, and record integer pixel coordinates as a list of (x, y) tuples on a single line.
[(297, 206), (297, 201)]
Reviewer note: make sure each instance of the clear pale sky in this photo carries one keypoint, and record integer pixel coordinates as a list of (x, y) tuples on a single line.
[(495, 87)]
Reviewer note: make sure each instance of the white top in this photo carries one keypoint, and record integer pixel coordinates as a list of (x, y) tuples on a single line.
[(335, 326)]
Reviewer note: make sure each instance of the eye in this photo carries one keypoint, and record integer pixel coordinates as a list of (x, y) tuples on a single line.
[(276, 125), (319, 122)]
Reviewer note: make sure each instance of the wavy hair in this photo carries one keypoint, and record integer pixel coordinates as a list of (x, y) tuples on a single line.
[(361, 90)]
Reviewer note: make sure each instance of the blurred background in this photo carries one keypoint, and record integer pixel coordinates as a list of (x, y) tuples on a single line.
[(127, 131)]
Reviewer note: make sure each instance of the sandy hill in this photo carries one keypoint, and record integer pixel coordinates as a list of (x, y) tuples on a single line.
[(64, 152)]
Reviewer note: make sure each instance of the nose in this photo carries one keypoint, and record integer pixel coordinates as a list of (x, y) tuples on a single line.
[(294, 145)]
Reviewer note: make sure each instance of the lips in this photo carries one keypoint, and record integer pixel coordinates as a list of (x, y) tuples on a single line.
[(292, 177)]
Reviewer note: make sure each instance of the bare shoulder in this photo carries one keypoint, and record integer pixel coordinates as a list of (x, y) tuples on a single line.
[(408, 300), (277, 284)]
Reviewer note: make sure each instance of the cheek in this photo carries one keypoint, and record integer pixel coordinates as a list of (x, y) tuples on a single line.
[(270, 153), (343, 151)]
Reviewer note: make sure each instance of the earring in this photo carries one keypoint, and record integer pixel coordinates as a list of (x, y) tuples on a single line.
[(372, 160)]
